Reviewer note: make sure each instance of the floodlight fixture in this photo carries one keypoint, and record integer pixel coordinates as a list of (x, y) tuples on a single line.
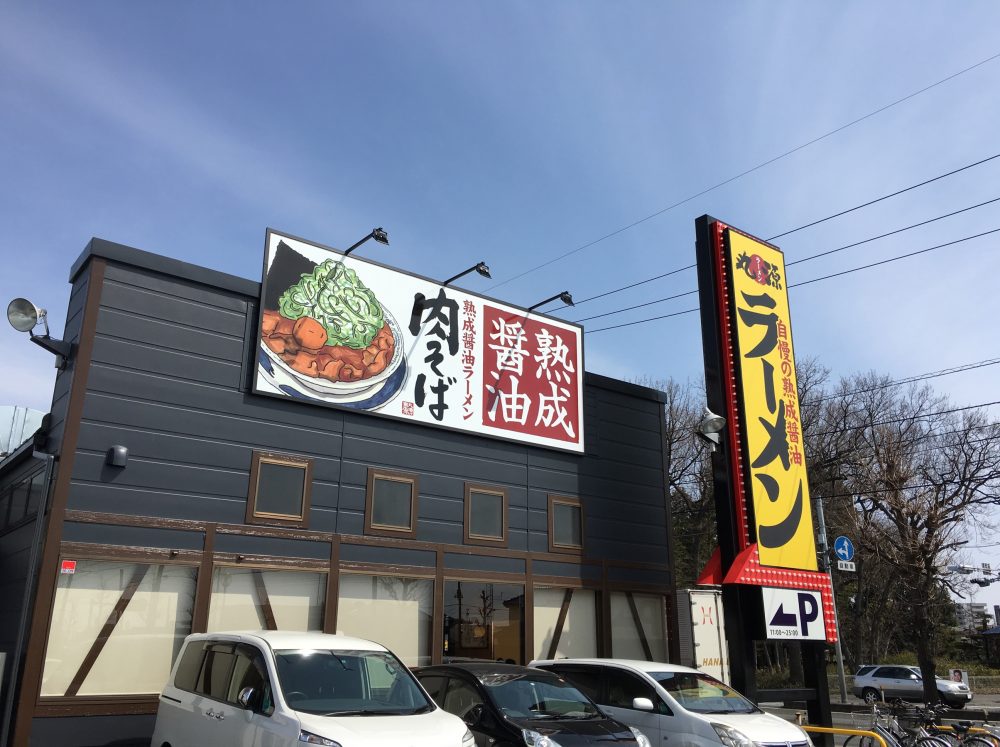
[(710, 429), (482, 268), (24, 316), (378, 234), (565, 297)]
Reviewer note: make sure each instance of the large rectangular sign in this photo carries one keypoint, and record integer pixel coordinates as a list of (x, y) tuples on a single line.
[(794, 614), (769, 395), (346, 332)]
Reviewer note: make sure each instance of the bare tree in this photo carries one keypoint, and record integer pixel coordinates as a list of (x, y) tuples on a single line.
[(919, 478)]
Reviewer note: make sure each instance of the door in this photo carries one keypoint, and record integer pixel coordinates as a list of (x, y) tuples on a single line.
[(462, 698), (216, 721), (264, 726), (896, 682), (621, 687)]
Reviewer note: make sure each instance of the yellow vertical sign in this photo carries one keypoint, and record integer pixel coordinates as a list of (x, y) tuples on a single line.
[(768, 388)]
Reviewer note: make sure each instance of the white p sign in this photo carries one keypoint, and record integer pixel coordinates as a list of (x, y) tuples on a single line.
[(791, 614)]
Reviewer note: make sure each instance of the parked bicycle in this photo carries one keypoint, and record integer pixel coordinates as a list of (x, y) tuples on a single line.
[(899, 727)]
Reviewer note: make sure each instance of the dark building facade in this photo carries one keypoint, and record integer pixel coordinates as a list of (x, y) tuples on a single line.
[(166, 482)]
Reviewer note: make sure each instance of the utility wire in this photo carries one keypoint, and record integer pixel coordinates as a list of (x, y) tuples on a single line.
[(751, 170), (908, 417), (813, 280), (821, 254), (905, 380), (884, 197)]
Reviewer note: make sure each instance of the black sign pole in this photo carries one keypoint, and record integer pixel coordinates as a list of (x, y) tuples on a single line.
[(742, 663)]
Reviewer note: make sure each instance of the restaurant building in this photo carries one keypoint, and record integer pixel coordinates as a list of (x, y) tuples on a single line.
[(452, 484)]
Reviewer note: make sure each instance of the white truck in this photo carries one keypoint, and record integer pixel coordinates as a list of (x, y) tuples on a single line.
[(701, 631)]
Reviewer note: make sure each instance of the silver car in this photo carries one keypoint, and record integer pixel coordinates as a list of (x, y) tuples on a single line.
[(889, 681)]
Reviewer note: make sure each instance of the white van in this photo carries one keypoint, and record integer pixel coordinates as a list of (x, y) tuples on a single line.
[(676, 705), (285, 689)]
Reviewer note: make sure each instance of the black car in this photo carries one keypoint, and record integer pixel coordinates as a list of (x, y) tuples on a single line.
[(506, 705)]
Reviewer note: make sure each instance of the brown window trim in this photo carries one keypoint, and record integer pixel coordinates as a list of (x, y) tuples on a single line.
[(282, 520), (382, 530), (565, 549), (479, 539)]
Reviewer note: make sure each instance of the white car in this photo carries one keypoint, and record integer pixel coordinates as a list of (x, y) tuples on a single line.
[(286, 689), (675, 705)]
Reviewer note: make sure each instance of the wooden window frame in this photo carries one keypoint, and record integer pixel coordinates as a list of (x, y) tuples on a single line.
[(484, 540), (384, 530), (565, 549), (280, 520)]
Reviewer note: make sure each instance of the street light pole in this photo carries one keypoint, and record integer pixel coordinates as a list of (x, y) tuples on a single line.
[(825, 566)]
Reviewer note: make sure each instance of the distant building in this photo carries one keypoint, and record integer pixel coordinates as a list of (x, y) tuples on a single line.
[(16, 426), (972, 616)]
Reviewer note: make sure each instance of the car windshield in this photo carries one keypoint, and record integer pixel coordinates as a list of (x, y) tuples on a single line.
[(700, 693), (537, 696), (348, 683)]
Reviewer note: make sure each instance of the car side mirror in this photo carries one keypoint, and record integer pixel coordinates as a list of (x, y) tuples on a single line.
[(642, 704), (914, 677), (475, 715), (247, 698)]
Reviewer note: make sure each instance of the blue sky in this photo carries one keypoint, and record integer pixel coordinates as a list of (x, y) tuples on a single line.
[(515, 132)]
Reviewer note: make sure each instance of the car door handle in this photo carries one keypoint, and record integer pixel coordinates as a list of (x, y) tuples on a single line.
[(220, 716)]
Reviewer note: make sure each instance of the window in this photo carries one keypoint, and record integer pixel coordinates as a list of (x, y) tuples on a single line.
[(220, 658), (397, 612), (565, 525), (117, 627), (250, 671), (483, 620), (485, 515), (587, 679), (461, 697), (434, 685), (279, 490), (565, 623), (256, 599), (624, 687), (638, 626), (391, 504)]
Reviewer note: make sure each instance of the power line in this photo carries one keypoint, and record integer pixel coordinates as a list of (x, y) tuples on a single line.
[(892, 259), (832, 251), (751, 170), (860, 494), (789, 264), (884, 197), (908, 417), (806, 282), (906, 380)]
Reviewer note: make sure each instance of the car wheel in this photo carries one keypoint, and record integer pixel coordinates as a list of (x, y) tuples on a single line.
[(870, 695)]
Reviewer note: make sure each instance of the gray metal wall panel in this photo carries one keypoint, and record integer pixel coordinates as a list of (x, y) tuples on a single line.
[(449, 533), (245, 545), (457, 561), (170, 539), (161, 502), (187, 449), (156, 283), (161, 419), (571, 570), (148, 303), (148, 357), (167, 334), (387, 555), (147, 473)]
